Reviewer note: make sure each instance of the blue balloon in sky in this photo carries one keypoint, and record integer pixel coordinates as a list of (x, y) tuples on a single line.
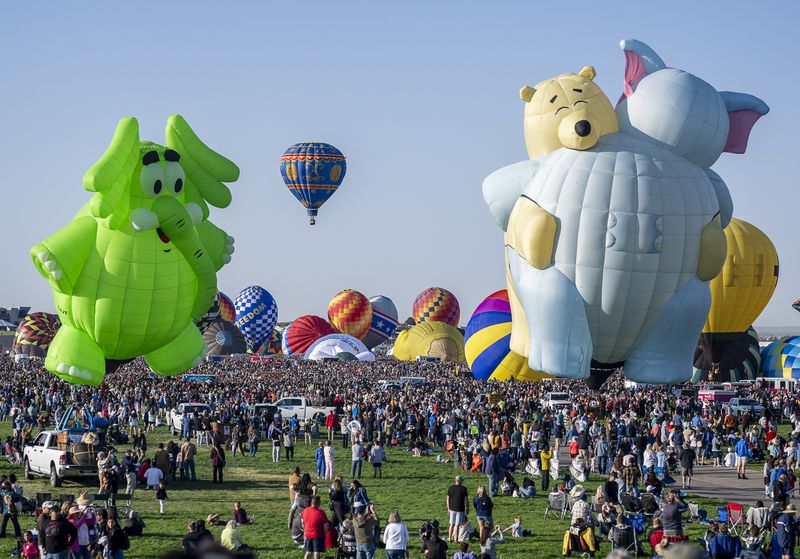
[(256, 315), (312, 172)]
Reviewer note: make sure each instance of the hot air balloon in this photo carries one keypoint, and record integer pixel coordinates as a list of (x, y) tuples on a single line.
[(211, 315), (740, 360), (227, 311), (223, 338), (256, 315), (796, 305), (35, 333), (350, 312), (743, 288), (384, 321), (781, 358), (334, 345), (273, 346), (436, 305), (300, 334), (486, 343), (432, 339), (312, 172)]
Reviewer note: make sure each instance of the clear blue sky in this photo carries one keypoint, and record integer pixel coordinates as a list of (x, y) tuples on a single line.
[(420, 96)]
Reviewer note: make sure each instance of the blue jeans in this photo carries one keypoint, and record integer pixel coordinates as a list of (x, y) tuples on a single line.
[(189, 465), (365, 551), (395, 553), (492, 484), (60, 555)]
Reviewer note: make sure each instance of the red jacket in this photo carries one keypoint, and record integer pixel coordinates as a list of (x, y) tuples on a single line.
[(331, 421)]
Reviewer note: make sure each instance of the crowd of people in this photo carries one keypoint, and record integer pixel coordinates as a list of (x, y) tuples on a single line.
[(646, 440)]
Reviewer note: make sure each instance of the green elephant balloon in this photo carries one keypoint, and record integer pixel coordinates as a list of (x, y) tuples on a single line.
[(137, 265)]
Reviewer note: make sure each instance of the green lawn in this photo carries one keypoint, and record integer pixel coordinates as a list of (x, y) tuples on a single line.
[(414, 486)]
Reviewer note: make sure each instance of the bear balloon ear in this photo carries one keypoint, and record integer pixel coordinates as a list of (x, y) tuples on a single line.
[(743, 112), (526, 93), (588, 72), (640, 60)]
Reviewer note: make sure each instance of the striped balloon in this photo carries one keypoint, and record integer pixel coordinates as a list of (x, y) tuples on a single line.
[(350, 313), (227, 311), (384, 321), (300, 334), (436, 305), (781, 358), (486, 343)]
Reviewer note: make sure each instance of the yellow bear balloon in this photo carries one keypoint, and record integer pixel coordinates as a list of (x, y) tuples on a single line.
[(569, 111)]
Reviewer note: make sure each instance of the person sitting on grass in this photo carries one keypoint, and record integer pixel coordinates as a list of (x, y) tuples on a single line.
[(464, 552), (434, 547), (240, 515), (517, 531), (724, 545), (231, 538), (488, 542)]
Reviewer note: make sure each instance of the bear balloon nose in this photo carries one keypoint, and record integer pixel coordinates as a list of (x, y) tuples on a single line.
[(583, 128)]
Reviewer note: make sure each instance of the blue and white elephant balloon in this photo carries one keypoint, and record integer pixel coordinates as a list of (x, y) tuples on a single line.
[(614, 227)]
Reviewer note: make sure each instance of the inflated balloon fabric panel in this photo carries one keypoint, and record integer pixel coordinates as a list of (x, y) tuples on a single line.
[(256, 315), (436, 305), (384, 321), (747, 281), (781, 358), (740, 360), (630, 217), (350, 312)]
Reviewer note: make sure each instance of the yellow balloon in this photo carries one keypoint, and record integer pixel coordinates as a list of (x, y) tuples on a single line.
[(433, 339), (749, 277)]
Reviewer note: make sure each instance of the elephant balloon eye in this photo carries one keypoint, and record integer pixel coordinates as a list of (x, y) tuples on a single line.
[(152, 180), (176, 178)]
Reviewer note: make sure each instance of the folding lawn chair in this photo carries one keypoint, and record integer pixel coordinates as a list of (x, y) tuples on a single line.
[(630, 503), (649, 504), (624, 538), (722, 514), (736, 518), (556, 505), (638, 522), (42, 498), (695, 514)]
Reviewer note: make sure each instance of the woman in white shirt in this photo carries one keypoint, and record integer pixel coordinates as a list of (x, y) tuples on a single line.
[(395, 536)]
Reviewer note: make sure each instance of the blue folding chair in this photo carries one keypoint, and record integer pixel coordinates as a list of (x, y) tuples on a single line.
[(638, 522), (722, 513)]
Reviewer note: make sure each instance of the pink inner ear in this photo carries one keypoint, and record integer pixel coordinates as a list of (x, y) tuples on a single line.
[(741, 123), (634, 71)]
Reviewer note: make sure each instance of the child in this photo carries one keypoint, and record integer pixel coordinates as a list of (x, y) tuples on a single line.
[(29, 548), (517, 531), (161, 495), (730, 459), (464, 552), (320, 458)]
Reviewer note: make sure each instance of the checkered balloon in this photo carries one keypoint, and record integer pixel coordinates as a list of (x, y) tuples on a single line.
[(256, 315), (436, 305)]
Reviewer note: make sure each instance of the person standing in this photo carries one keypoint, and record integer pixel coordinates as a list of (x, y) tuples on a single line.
[(161, 460), (687, 464), (319, 456), (188, 452), (457, 503), (276, 434), (355, 465), (786, 533), (10, 511), (129, 466), (742, 455), (490, 468), (545, 455), (161, 496), (364, 526), (289, 438), (59, 536), (315, 525), (377, 457), (331, 422), (328, 454), (395, 537), (217, 461)]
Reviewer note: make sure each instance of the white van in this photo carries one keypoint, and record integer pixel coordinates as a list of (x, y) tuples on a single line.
[(414, 381)]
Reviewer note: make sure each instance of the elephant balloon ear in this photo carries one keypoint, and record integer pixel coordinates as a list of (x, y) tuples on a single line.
[(206, 170), (743, 112), (111, 175), (640, 60)]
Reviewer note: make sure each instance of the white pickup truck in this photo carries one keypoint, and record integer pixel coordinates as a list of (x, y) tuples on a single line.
[(192, 408), (43, 457), (300, 406)]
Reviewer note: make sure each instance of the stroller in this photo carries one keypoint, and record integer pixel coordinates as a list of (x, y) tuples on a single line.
[(347, 541)]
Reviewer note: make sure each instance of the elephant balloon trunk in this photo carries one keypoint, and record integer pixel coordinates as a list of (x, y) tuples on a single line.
[(176, 226)]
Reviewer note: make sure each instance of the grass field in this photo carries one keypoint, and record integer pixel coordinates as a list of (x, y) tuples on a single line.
[(415, 487)]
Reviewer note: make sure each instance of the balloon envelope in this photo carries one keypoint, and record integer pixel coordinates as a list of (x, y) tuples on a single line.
[(436, 305), (333, 345), (300, 334), (273, 346), (256, 315), (227, 311), (223, 338), (350, 312), (432, 339), (781, 358), (211, 315), (34, 334), (312, 172), (384, 321), (740, 360), (486, 343)]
